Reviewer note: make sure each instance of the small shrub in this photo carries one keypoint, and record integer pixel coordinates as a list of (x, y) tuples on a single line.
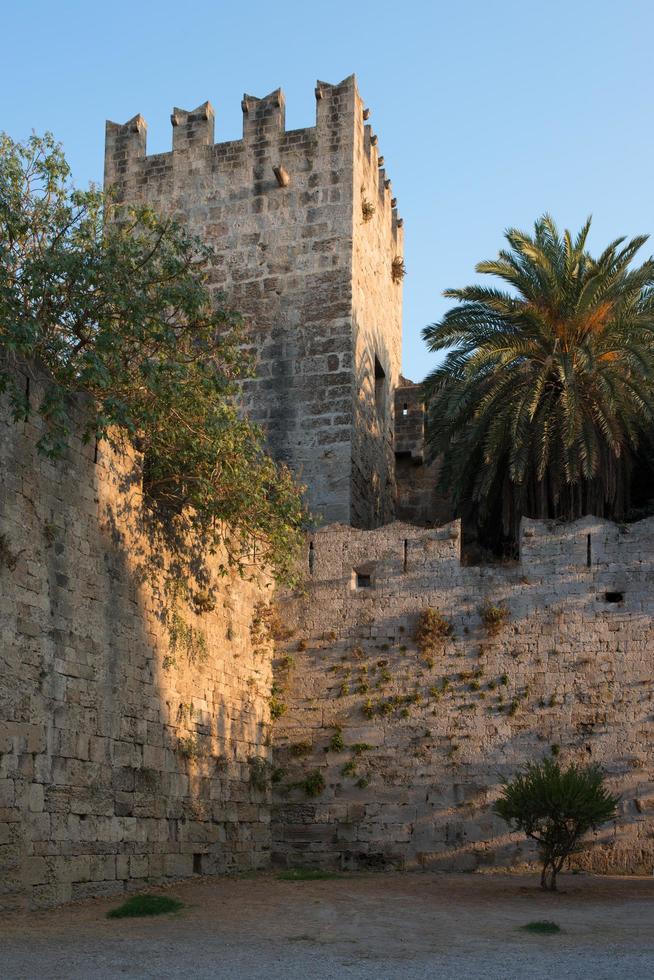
[(350, 768), (543, 927), (141, 905), (398, 269), (432, 629), (556, 807), (493, 616), (314, 784), (287, 662), (336, 742), (190, 747), (367, 209), (368, 708), (504, 680), (277, 707), (362, 783), (360, 747), (299, 749)]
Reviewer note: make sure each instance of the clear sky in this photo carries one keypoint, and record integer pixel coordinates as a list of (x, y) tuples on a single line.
[(489, 112)]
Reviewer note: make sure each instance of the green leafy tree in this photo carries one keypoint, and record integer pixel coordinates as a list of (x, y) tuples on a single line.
[(556, 807), (110, 304), (546, 395)]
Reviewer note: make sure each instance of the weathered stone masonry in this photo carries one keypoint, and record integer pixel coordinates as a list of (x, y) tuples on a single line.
[(570, 671), (129, 748), (309, 267)]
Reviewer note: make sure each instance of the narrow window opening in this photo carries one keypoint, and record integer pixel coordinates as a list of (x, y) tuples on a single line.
[(406, 553), (197, 864), (95, 450), (613, 596), (312, 558), (380, 379), (363, 581), (405, 409), (27, 395), (588, 551)]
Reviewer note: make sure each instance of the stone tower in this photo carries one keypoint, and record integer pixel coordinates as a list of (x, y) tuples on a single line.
[(308, 248)]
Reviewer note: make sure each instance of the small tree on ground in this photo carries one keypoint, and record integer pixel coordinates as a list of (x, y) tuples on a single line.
[(556, 807)]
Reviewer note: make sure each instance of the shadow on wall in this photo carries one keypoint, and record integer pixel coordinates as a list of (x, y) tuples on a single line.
[(373, 461), (134, 736), (426, 731)]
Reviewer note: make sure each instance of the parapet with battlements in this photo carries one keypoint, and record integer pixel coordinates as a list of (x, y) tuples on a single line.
[(307, 241)]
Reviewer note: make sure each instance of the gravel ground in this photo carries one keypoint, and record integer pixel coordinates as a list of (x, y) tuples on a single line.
[(359, 926)]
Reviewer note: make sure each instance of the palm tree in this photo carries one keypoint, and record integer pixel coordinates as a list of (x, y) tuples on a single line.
[(546, 396)]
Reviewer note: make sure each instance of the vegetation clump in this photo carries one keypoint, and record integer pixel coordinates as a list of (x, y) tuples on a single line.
[(556, 807), (314, 784), (306, 874), (493, 616), (142, 905), (337, 742), (542, 927), (432, 629)]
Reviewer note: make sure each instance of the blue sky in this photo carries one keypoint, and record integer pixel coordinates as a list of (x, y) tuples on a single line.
[(489, 112)]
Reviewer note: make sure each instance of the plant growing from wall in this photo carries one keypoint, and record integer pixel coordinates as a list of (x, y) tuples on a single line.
[(186, 639), (367, 209), (398, 269), (493, 616), (314, 784), (112, 304), (190, 746), (556, 807), (337, 742), (433, 628)]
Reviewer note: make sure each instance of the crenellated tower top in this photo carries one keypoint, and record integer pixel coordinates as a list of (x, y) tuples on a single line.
[(306, 241)]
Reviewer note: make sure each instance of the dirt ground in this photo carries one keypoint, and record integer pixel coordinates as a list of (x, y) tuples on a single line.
[(359, 926)]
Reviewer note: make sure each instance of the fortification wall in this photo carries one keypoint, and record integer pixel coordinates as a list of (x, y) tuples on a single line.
[(428, 737), (133, 731), (278, 208)]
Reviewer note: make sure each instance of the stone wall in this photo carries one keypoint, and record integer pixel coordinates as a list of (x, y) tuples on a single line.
[(133, 730), (377, 239), (282, 209), (411, 745)]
